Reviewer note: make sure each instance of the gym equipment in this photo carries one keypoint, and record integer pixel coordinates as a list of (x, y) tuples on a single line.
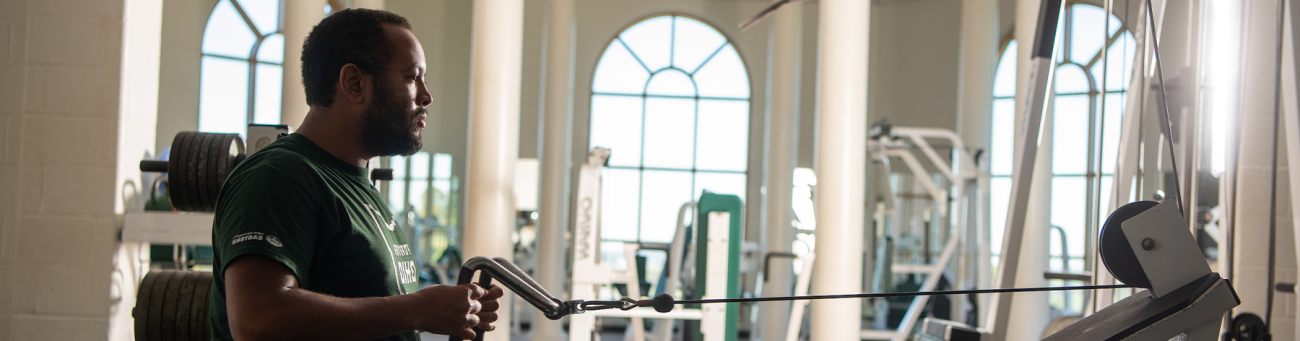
[(1142, 243), (199, 164), (173, 305)]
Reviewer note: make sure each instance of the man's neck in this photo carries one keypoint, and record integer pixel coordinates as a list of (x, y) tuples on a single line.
[(341, 140)]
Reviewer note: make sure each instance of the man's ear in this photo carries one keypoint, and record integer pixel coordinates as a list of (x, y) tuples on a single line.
[(353, 84)]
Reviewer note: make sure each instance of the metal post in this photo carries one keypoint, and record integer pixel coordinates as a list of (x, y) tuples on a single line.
[(841, 165), (496, 52), (299, 17), (556, 138)]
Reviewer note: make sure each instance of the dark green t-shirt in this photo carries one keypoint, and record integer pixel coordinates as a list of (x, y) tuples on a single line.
[(295, 203)]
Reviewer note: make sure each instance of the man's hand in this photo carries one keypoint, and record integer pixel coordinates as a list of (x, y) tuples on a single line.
[(456, 310)]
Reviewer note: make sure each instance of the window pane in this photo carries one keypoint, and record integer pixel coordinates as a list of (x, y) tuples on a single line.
[(651, 41), (1111, 130), (269, 80), (670, 83), (616, 124), (1071, 80), (227, 34), (442, 166), (1000, 197), (1004, 83), (669, 130), (693, 42), (1103, 210), (723, 76), (618, 72), (1004, 136), (441, 200), (419, 195), (661, 197), (1069, 198), (620, 195), (1086, 36), (1070, 140), (420, 165), (722, 138), (264, 13), (1119, 73), (397, 195), (721, 183), (272, 49), (398, 163), (223, 96)]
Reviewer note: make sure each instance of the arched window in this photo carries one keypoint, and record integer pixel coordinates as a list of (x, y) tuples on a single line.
[(670, 98), (242, 73), (1085, 135)]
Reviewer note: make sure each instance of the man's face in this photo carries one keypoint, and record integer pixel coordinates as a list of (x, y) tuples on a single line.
[(392, 122)]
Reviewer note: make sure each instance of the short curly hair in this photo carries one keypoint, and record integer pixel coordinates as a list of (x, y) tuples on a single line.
[(353, 36)]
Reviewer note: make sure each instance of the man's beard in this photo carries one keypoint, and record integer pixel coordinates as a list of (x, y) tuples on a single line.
[(386, 128)]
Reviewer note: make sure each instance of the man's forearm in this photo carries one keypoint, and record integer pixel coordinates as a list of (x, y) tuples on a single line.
[(298, 314)]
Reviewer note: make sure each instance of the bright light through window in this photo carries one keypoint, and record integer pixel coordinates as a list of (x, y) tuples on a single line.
[(241, 66), (670, 98), (1085, 136)]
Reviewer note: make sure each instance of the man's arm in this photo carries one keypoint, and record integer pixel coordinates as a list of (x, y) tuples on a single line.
[(264, 302)]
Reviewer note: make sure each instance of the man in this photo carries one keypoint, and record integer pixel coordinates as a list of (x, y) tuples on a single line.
[(305, 248)]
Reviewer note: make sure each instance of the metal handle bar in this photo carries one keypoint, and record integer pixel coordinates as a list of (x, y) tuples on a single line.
[(513, 278)]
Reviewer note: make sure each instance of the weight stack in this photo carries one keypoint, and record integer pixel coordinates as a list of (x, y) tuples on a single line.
[(173, 305)]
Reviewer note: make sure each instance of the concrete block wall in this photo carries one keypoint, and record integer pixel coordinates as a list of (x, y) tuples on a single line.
[(71, 108)]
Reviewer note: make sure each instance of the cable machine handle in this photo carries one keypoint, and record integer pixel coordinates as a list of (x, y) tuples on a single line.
[(513, 278)]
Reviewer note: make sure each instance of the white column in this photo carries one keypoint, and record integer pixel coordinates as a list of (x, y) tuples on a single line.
[(496, 52), (1029, 313), (370, 4), (557, 118), (979, 62), (782, 146), (299, 17), (841, 162)]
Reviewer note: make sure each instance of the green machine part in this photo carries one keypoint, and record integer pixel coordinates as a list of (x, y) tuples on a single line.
[(731, 204)]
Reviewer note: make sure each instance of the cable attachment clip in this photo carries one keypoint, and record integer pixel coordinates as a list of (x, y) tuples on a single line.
[(624, 304)]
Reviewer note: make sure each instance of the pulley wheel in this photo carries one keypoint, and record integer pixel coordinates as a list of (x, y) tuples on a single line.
[(1248, 327), (1116, 253)]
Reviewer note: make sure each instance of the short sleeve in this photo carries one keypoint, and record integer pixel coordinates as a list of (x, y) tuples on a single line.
[(271, 209)]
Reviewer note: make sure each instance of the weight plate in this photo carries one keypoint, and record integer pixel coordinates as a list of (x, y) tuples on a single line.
[(174, 167), (198, 293), (220, 160), (1116, 253), (192, 180), (203, 170), (184, 297), (200, 322), (142, 299), (156, 305), (187, 167), (171, 298), (226, 160)]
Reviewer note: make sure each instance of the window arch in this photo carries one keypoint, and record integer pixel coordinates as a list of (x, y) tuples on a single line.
[(242, 70), (670, 98), (1085, 135)]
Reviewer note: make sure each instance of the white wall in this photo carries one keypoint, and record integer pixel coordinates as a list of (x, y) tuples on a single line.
[(76, 116)]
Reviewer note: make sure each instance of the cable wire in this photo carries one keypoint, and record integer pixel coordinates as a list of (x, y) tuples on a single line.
[(899, 294)]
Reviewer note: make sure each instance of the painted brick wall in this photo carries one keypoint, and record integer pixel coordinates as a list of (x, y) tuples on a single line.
[(78, 87)]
